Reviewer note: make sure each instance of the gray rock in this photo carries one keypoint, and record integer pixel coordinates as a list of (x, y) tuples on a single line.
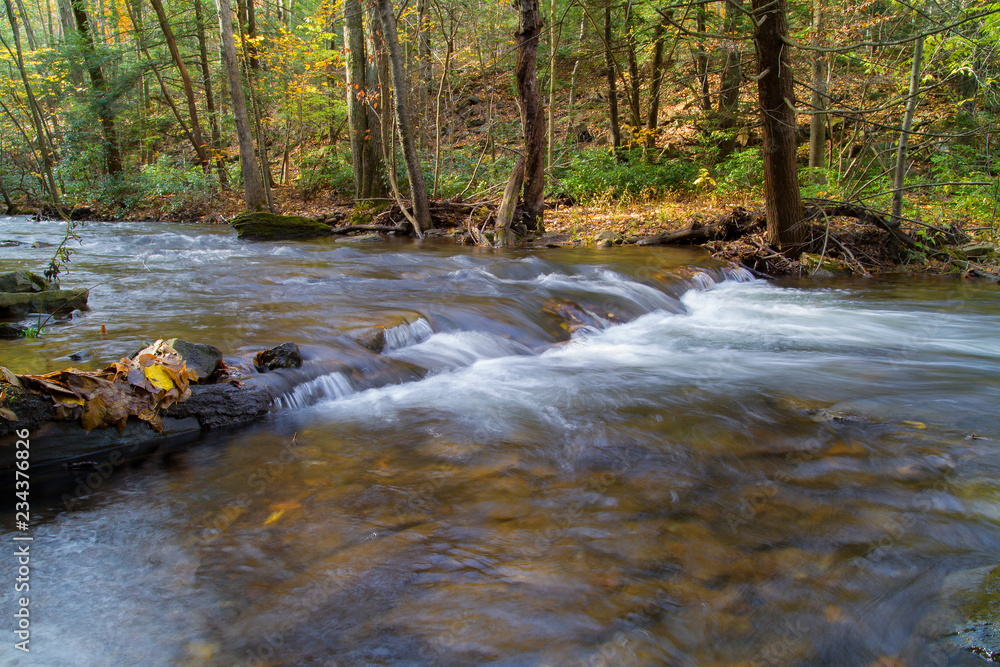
[(286, 355), (201, 358), (51, 301), (11, 330), (21, 282), (607, 238)]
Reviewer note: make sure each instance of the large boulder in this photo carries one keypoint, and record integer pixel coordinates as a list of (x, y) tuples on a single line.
[(21, 282), (62, 301), (271, 227)]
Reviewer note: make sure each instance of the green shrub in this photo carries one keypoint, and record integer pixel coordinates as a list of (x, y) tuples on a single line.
[(595, 174), (326, 168), (742, 172)]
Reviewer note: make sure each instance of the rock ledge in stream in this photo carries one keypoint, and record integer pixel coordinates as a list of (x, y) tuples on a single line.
[(18, 304), (271, 227)]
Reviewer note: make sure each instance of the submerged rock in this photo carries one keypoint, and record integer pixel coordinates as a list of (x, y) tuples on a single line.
[(979, 629), (271, 227), (16, 304), (286, 355)]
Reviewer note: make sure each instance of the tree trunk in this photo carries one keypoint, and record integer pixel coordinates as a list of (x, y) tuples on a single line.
[(782, 201), (251, 45), (206, 77), (423, 67), (532, 119), (113, 156), (609, 63), (702, 59), (379, 99), (656, 74), (365, 144), (729, 86), (899, 174), (26, 22), (437, 113), (817, 121), (168, 34), (570, 132), (505, 213), (554, 33), (253, 187), (43, 139), (635, 116), (404, 126)]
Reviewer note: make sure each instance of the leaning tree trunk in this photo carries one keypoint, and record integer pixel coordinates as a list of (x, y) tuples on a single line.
[(168, 34), (253, 187), (532, 120), (404, 125), (782, 201), (113, 155), (904, 136)]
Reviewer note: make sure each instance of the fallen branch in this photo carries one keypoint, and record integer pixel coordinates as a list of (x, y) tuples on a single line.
[(366, 228), (739, 223)]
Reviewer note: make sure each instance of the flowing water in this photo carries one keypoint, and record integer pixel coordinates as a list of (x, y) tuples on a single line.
[(620, 457)]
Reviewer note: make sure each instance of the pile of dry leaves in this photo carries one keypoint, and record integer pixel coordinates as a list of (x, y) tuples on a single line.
[(143, 386)]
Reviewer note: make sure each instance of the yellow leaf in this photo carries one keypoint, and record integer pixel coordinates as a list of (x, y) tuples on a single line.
[(158, 377), (274, 517), (914, 424)]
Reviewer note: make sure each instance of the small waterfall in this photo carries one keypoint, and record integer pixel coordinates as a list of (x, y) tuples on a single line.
[(406, 334), (325, 387)]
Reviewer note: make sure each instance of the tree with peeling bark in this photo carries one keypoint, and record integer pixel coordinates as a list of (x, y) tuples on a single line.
[(782, 200)]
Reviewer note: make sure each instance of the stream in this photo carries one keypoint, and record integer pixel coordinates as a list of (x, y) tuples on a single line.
[(628, 456)]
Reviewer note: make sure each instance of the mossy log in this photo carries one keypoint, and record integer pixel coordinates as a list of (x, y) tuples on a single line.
[(272, 227)]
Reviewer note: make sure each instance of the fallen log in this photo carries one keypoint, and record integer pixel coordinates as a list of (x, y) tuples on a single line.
[(862, 214), (739, 223)]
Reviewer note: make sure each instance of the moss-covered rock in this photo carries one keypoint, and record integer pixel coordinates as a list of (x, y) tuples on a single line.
[(272, 227)]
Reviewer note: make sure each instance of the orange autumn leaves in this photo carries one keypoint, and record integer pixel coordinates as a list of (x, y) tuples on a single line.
[(143, 387)]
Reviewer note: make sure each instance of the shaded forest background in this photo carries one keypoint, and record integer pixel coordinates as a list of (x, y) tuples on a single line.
[(127, 107)]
